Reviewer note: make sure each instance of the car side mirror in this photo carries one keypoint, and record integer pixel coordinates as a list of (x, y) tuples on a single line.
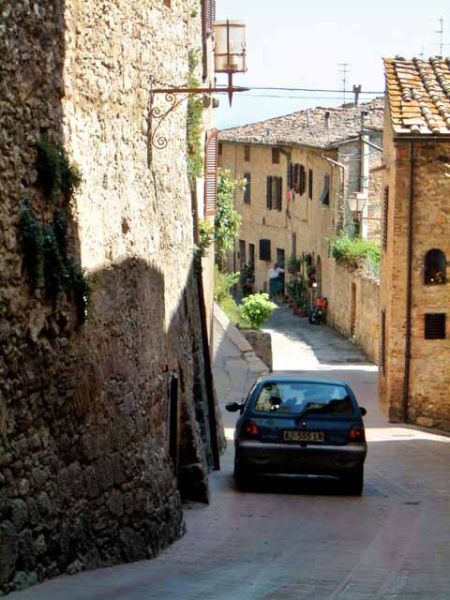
[(363, 411), (233, 406)]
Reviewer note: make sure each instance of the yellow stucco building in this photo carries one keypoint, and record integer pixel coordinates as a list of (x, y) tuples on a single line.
[(310, 175)]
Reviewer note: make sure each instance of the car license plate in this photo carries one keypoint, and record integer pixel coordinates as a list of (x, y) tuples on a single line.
[(303, 436)]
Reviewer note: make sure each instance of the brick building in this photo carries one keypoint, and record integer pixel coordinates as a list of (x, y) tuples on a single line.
[(415, 294), (303, 171), (106, 407)]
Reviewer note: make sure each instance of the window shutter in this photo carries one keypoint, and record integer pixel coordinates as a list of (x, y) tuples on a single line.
[(289, 176), (211, 158), (310, 184), (279, 188), (302, 180), (269, 193), (264, 250), (209, 16), (297, 177)]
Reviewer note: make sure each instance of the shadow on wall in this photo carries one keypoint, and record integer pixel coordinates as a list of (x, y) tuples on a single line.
[(103, 425)]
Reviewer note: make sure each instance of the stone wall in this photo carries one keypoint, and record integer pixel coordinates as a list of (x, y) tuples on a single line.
[(427, 400), (95, 453), (353, 308)]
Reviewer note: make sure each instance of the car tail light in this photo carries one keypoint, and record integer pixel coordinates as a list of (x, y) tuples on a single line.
[(356, 434), (250, 429)]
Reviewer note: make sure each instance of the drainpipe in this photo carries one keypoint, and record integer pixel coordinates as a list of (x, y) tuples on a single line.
[(364, 183), (339, 216), (409, 256)]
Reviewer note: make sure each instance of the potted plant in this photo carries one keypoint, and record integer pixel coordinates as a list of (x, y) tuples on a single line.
[(298, 292)]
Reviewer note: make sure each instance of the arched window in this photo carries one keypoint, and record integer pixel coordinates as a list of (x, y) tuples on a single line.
[(435, 267)]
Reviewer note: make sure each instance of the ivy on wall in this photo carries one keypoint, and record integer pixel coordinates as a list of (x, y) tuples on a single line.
[(45, 245), (194, 122)]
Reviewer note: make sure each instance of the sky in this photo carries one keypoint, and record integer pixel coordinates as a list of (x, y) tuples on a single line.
[(294, 43)]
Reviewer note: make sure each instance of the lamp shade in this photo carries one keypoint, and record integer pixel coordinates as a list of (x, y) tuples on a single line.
[(356, 201), (229, 52)]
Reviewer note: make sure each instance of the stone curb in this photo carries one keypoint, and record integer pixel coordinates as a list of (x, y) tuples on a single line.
[(255, 364)]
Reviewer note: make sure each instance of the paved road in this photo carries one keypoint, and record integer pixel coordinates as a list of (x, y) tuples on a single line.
[(296, 540)]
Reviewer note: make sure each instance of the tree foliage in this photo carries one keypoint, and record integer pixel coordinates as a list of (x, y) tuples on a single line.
[(228, 220)]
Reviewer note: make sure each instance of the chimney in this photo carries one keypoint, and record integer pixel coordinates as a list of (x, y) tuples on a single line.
[(327, 119)]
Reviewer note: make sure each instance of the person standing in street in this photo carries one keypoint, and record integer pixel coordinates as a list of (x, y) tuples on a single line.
[(275, 281)]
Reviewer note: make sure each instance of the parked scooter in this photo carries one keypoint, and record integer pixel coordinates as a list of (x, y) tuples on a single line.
[(317, 313)]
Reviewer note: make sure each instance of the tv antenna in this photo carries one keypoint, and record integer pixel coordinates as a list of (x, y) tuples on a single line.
[(440, 33), (344, 70)]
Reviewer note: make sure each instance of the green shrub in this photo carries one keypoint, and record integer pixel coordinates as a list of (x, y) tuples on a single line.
[(353, 250), (255, 310), (223, 282)]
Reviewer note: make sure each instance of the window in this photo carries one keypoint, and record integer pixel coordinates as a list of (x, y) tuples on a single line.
[(435, 326), (296, 178), (274, 193), (310, 184), (385, 217), (251, 256), (275, 156), (211, 159), (247, 177), (383, 342), (264, 250), (325, 194), (247, 153), (220, 148), (435, 272), (241, 254)]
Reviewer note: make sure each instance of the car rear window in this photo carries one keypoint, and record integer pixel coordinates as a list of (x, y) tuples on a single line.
[(306, 397)]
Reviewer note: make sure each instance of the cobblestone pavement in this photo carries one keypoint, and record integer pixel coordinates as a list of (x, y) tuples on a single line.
[(300, 539)]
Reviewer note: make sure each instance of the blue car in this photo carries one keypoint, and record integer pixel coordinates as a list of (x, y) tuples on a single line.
[(290, 425)]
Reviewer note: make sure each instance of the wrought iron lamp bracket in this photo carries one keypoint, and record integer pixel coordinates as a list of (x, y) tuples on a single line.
[(174, 97)]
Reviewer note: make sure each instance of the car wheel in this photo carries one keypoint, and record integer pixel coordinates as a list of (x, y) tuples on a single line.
[(354, 482)]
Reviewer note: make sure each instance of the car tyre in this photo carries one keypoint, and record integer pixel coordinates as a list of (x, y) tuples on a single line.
[(354, 482)]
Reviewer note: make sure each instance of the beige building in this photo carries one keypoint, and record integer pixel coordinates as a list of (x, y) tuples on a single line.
[(311, 175), (415, 290)]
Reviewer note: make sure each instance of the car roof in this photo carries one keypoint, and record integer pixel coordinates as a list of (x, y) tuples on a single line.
[(291, 379)]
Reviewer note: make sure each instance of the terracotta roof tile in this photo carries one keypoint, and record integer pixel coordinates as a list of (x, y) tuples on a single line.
[(419, 95), (310, 127)]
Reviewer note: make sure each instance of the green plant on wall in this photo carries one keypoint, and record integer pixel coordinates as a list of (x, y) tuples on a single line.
[(205, 237), (227, 221), (194, 122), (45, 244), (32, 244), (57, 175), (352, 251)]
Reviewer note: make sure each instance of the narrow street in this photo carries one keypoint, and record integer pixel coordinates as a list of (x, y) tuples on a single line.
[(301, 539)]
